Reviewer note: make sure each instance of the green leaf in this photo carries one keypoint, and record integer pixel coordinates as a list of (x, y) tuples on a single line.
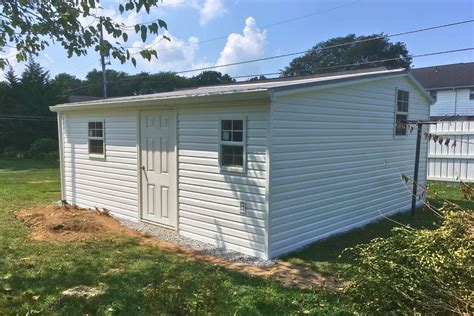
[(144, 31), (167, 38), (125, 37), (137, 28), (134, 62), (121, 8), (162, 24)]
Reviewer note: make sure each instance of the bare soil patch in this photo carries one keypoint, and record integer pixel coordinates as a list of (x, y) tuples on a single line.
[(70, 223)]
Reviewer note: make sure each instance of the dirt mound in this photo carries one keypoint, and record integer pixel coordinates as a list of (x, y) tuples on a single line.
[(69, 223)]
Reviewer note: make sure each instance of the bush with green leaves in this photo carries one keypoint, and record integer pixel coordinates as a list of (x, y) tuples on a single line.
[(425, 271), (43, 146)]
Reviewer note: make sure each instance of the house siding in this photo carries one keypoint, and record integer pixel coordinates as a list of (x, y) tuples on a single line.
[(112, 182), (452, 163), (453, 102), (209, 198), (328, 150)]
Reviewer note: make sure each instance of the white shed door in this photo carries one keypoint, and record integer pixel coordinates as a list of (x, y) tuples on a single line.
[(158, 170)]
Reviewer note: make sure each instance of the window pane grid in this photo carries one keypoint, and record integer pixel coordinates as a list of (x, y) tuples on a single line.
[(232, 143), (402, 112), (96, 138)]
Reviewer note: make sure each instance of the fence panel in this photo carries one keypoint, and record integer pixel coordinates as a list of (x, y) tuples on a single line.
[(452, 163)]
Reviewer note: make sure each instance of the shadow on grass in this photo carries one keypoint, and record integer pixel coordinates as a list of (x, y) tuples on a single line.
[(26, 164), (324, 256), (146, 280)]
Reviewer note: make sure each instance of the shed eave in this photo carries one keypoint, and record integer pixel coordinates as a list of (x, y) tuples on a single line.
[(289, 90), (123, 103)]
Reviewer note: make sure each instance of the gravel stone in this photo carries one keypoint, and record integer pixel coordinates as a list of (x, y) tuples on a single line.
[(195, 245)]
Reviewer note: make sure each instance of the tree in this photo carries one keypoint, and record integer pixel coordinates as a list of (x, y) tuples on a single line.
[(26, 97), (65, 82), (258, 78), (30, 26), (211, 77), (324, 57)]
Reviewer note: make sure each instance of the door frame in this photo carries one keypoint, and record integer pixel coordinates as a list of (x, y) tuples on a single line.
[(140, 172)]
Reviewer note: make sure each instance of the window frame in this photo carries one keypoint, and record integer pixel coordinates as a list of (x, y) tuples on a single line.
[(397, 112), (243, 143), (434, 95), (89, 138)]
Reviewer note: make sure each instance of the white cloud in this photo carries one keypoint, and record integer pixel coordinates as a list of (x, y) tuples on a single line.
[(210, 10), (248, 45), (175, 55)]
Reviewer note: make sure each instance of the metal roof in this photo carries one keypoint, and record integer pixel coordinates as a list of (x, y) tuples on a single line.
[(242, 89), (445, 76)]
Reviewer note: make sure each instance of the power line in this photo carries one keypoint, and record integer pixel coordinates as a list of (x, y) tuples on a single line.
[(308, 71), (27, 118)]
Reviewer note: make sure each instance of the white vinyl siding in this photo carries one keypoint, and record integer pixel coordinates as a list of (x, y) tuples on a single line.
[(328, 150), (448, 163), (109, 182), (453, 102), (209, 198)]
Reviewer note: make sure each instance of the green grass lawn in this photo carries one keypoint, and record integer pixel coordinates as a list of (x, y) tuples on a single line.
[(140, 279), (137, 279)]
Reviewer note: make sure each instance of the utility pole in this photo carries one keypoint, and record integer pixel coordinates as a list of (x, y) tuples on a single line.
[(419, 126), (419, 130), (102, 59)]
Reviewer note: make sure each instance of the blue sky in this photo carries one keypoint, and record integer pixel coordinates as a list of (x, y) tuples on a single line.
[(245, 31)]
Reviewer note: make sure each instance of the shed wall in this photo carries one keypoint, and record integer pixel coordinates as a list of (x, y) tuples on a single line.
[(328, 150), (209, 198), (112, 182)]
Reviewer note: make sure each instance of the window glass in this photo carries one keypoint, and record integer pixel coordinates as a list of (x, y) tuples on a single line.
[(96, 138), (232, 155), (471, 94), (96, 146), (401, 114), (232, 143)]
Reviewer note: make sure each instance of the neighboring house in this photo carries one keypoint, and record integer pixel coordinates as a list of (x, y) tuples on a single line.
[(452, 86), (82, 98), (262, 168)]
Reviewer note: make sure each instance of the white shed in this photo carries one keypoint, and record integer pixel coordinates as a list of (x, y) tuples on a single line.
[(262, 168)]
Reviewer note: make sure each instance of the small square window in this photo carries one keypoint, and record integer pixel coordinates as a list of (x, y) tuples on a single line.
[(433, 94), (471, 94), (96, 140)]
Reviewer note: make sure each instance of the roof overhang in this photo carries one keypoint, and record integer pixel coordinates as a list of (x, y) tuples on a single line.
[(313, 86), (245, 92), (156, 100)]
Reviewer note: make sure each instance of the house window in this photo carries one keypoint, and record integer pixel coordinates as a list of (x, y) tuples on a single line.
[(433, 94), (96, 138), (232, 144), (401, 114), (471, 94)]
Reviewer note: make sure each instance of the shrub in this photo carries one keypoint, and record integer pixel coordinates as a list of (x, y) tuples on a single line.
[(11, 152), (426, 271), (43, 146)]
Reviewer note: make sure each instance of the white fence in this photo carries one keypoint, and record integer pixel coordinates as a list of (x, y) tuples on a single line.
[(448, 163)]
